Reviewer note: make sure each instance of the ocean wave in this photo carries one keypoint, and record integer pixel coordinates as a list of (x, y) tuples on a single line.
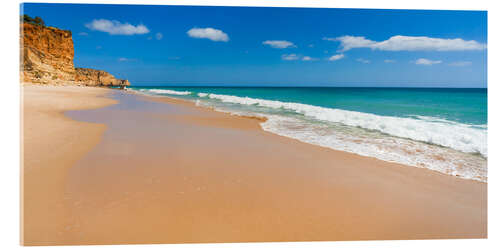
[(463, 137), (166, 91)]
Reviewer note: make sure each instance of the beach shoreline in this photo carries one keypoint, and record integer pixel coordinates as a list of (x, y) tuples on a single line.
[(265, 187), (258, 120)]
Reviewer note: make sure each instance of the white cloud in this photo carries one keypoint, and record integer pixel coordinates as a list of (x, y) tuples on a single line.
[(408, 43), (424, 61), (351, 42), (389, 61), (279, 44), (336, 57), (460, 63), (290, 57), (83, 34), (159, 36), (361, 60), (208, 33), (308, 58), (116, 28), (293, 57)]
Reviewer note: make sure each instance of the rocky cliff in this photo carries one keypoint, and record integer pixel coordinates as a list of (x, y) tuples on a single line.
[(47, 58), (97, 77)]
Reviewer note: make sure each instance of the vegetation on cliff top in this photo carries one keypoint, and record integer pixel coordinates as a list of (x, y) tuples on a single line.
[(37, 20)]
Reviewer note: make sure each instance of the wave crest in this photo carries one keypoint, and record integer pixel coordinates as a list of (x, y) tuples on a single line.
[(459, 136), (166, 91)]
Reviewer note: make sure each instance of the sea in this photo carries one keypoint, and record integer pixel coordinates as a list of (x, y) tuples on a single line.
[(441, 129)]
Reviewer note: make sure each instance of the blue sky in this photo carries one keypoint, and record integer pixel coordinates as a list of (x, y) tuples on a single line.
[(241, 46)]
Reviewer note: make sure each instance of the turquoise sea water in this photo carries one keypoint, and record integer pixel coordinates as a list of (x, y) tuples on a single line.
[(440, 129)]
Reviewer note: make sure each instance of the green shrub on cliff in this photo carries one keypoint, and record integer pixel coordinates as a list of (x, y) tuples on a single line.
[(37, 20)]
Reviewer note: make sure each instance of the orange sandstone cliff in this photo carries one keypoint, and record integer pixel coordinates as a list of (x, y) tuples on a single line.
[(95, 77), (47, 58)]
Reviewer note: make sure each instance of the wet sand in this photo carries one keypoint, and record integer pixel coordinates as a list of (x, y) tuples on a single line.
[(166, 171)]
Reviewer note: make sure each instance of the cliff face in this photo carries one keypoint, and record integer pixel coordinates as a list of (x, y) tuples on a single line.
[(46, 54), (47, 58), (97, 78)]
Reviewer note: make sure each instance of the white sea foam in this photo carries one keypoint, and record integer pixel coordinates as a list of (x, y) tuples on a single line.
[(166, 91), (459, 136), (202, 94)]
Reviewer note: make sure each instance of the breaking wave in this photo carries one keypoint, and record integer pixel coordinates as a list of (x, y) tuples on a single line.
[(459, 136), (166, 91)]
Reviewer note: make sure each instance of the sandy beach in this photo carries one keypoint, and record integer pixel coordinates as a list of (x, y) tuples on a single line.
[(105, 166), (51, 144)]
